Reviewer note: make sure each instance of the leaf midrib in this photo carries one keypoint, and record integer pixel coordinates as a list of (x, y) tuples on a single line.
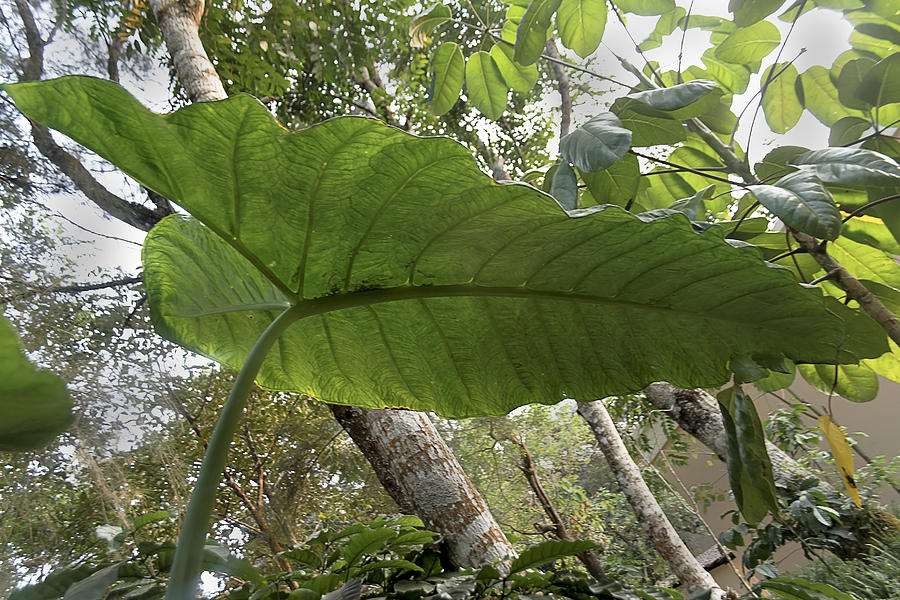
[(348, 300)]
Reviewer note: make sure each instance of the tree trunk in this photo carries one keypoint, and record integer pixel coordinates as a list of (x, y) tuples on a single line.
[(409, 456), (422, 474), (654, 522)]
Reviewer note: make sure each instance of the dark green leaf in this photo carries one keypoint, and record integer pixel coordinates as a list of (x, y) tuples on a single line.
[(414, 252), (617, 184), (748, 12), (548, 551), (34, 405), (682, 101), (857, 383), (425, 22), (95, 585), (881, 85), (53, 586), (850, 166), (847, 131), (849, 80), (749, 44), (796, 588), (518, 77), (447, 69), (531, 35), (802, 202), (648, 130), (780, 102), (775, 163), (581, 24), (774, 381), (597, 144), (564, 186), (485, 86), (749, 467), (368, 541)]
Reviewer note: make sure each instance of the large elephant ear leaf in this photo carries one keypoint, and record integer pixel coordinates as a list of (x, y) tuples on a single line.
[(417, 280), (34, 405), (802, 202)]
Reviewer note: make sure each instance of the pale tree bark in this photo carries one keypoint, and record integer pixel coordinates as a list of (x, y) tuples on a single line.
[(647, 510), (407, 453), (420, 471)]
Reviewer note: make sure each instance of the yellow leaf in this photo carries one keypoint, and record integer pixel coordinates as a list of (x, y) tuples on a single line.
[(843, 458)]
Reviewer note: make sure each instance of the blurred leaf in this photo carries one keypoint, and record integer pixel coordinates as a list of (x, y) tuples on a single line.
[(748, 12), (548, 551), (795, 588), (647, 8), (425, 22), (881, 85), (843, 456)]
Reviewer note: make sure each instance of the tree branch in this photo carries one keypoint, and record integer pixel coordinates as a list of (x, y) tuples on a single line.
[(74, 289)]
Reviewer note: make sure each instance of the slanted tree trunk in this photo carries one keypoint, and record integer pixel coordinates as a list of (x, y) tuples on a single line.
[(650, 515), (409, 456), (422, 474)]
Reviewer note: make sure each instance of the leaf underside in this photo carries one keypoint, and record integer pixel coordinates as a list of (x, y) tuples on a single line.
[(423, 283)]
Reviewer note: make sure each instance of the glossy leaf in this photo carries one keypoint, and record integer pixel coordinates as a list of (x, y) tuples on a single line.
[(881, 85), (648, 130), (617, 184), (447, 69), (775, 163), (34, 404), (780, 103), (802, 202), (426, 22), (749, 44), (419, 281), (564, 186), (748, 12), (850, 166), (531, 35), (749, 467), (843, 456), (857, 383), (516, 76), (597, 144), (682, 101), (581, 24), (485, 86), (548, 551)]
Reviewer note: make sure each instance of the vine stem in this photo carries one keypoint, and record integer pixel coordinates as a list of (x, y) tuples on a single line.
[(186, 565)]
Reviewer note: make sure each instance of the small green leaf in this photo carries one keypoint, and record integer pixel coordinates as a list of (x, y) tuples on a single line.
[(748, 12), (820, 97), (665, 25), (775, 163), (366, 542), (485, 86), (564, 186), (597, 144), (846, 131), (780, 102), (775, 381), (548, 551), (617, 184), (850, 166), (34, 405), (580, 24), (425, 22), (857, 383), (849, 80), (682, 101), (531, 35), (691, 206), (802, 202), (648, 130), (647, 8), (447, 68), (749, 44), (881, 85), (519, 78), (746, 369), (749, 467)]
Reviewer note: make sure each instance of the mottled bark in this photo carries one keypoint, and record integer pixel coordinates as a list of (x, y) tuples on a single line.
[(651, 517), (698, 414), (418, 469), (178, 22)]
